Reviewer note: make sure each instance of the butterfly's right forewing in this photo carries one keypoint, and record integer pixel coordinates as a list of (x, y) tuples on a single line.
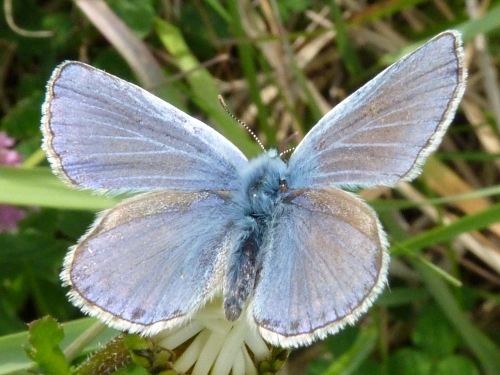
[(383, 132)]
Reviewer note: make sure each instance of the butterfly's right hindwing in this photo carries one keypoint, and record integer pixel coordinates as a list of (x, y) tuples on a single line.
[(323, 263)]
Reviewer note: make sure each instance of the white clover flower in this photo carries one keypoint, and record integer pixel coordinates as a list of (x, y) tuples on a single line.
[(210, 344)]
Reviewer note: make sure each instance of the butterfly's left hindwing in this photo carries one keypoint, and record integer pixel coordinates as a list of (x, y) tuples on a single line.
[(150, 262), (332, 260)]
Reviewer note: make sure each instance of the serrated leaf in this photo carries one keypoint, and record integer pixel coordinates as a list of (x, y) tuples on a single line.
[(44, 339), (13, 358)]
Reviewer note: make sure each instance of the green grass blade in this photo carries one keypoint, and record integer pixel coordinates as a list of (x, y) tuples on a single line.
[(486, 351), (442, 233), (247, 58), (344, 43), (204, 91), (40, 187), (352, 359)]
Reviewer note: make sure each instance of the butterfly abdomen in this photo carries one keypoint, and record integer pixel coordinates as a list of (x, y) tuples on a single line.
[(254, 204), (241, 272)]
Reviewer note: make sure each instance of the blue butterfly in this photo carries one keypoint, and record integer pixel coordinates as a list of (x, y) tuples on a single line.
[(279, 240)]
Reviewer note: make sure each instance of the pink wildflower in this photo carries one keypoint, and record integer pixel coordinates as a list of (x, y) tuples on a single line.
[(9, 215)]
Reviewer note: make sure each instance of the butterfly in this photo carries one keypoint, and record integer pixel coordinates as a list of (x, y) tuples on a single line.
[(279, 240)]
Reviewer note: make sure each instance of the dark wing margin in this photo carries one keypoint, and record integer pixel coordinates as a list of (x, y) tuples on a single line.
[(385, 131), (324, 262)]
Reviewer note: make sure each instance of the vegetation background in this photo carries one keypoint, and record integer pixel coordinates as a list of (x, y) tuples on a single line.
[(280, 65)]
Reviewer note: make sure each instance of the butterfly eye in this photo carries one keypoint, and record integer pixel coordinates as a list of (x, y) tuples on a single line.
[(283, 185)]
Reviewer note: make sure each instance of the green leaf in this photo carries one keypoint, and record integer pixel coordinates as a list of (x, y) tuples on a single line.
[(137, 15), (409, 362), (456, 365), (14, 359), (39, 250), (386, 9), (140, 350), (114, 355), (370, 366), (61, 24), (346, 47), (45, 336), (443, 233), (139, 370), (288, 7), (400, 296), (489, 22), (485, 349), (341, 342), (247, 56), (24, 118), (434, 335)]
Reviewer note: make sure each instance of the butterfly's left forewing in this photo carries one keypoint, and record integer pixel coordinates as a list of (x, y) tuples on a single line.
[(150, 262), (102, 132), (332, 257)]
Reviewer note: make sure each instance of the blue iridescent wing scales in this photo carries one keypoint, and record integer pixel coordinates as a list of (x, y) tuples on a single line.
[(383, 132), (150, 262), (324, 261), (104, 133)]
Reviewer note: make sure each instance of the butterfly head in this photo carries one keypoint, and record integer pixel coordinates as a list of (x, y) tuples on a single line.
[(263, 184)]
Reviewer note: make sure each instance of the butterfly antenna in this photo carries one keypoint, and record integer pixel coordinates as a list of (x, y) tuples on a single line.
[(223, 104), (287, 151)]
